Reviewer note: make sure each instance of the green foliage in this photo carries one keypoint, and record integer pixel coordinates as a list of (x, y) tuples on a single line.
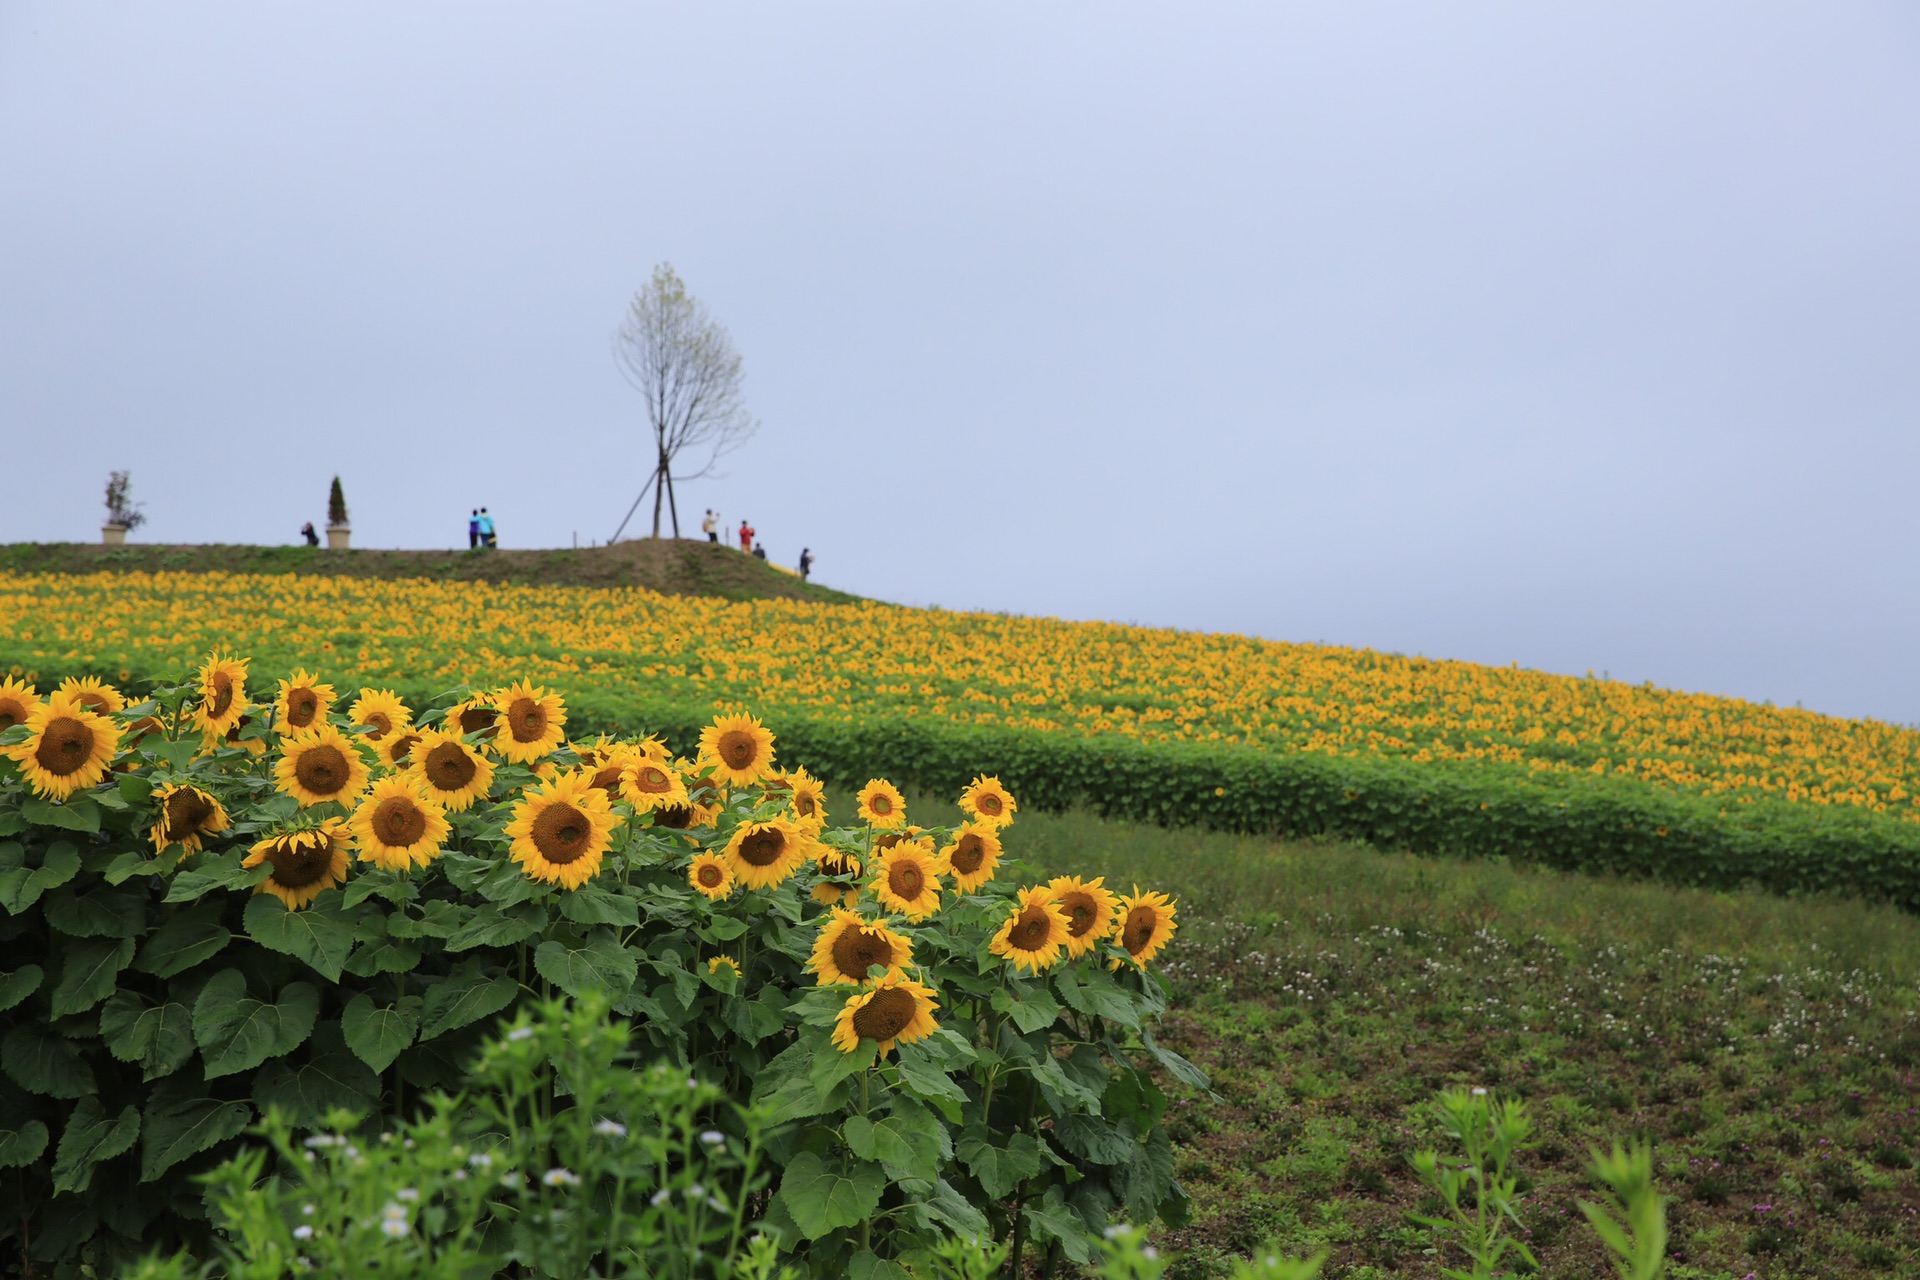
[(336, 504), (1490, 1133), (1631, 1219)]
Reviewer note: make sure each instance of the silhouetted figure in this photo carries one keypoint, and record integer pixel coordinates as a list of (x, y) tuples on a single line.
[(806, 562), (759, 551), (473, 529), (306, 531)]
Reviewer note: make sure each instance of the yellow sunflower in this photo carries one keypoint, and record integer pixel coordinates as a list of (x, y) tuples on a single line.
[(974, 856), (738, 748), (17, 701), (396, 749), (318, 765), (380, 712), (185, 815), (807, 798), (836, 895), (717, 963), (453, 773), (68, 747), (223, 695), (881, 805), (475, 715), (1145, 924), (893, 1011), (135, 733), (1088, 908), (239, 736), (762, 854), (399, 826), (988, 801), (306, 863), (97, 696), (603, 767), (561, 830), (649, 785), (1034, 933), (303, 702), (849, 946), (906, 878), (711, 876), (534, 720), (835, 862)]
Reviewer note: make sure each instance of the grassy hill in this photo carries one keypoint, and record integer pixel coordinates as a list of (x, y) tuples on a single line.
[(677, 567)]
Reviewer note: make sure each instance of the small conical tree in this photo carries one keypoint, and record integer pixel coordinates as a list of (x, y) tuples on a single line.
[(336, 505)]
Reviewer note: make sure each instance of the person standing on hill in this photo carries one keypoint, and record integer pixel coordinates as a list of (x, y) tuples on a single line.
[(306, 531), (710, 526), (487, 538), (759, 551), (473, 529), (746, 536), (806, 562)]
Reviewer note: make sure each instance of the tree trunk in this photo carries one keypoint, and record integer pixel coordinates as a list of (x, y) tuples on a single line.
[(658, 490), (673, 508)]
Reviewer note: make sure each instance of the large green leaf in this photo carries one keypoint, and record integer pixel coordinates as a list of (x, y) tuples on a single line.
[(88, 972), (910, 1141), (1149, 1178), (92, 1136), (222, 871), (1093, 1138), (157, 1036), (172, 1131), (947, 1205), (97, 913), (80, 812), (23, 1145), (1097, 994), (1053, 1219), (491, 927), (18, 985), (307, 1092), (999, 1164), (869, 1266), (21, 886), (466, 995), (602, 967), (1031, 1010), (384, 955), (41, 1061), (184, 941), (823, 1197), (322, 935), (597, 906), (235, 1032), (926, 1081), (378, 1033)]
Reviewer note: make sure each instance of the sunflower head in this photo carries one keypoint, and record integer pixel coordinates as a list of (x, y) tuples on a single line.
[(893, 1011), (396, 749), (302, 703), (987, 801), (906, 878), (68, 747), (880, 805), (762, 854), (532, 722), (399, 826), (849, 947), (561, 829), (1088, 909), (603, 767), (652, 785), (17, 701), (451, 771), (973, 856), (306, 862), (1034, 933), (725, 964), (1145, 924), (738, 748), (223, 695), (320, 764), (807, 799), (475, 715), (97, 696), (185, 815), (832, 895), (711, 876), (380, 712)]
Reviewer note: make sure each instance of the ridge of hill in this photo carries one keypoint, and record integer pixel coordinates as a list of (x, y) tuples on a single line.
[(672, 566)]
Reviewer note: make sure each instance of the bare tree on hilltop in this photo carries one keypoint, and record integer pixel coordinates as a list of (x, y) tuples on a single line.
[(685, 365)]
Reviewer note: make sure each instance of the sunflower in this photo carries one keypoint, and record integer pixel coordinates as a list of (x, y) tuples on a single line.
[(973, 855), (988, 801), (1034, 933), (807, 798), (396, 749), (832, 895), (762, 854), (186, 814), (711, 876), (1145, 925), (906, 878), (649, 785), (561, 830), (380, 713), (717, 963), (137, 732), (318, 765), (1088, 908), (97, 696), (453, 773), (652, 748), (534, 720), (306, 863), (68, 747), (849, 946), (893, 1011), (17, 701), (303, 701), (475, 715), (881, 805), (739, 748), (223, 695), (836, 862), (604, 766), (398, 825), (238, 738)]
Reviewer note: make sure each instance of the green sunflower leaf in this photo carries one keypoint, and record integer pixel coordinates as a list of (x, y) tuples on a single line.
[(92, 1136), (823, 1197)]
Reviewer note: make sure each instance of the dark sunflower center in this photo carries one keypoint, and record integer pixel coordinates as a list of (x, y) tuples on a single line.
[(186, 810), (527, 719), (402, 748), (1031, 929), (676, 817), (94, 701), (762, 848), (888, 839), (137, 730), (381, 724), (322, 769), (475, 719), (399, 821), (1138, 931), (449, 768), (855, 950), (562, 833), (302, 707), (222, 694), (652, 780), (711, 876), (233, 734), (607, 778), (969, 854), (739, 748), (988, 804), (906, 880), (12, 712), (1082, 915), (301, 860), (66, 744), (837, 864), (886, 1015), (803, 804)]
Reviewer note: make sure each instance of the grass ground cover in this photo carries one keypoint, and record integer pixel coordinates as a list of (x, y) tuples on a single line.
[(1770, 1049)]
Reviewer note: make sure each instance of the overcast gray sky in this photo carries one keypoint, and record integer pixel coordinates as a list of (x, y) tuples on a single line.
[(1586, 336)]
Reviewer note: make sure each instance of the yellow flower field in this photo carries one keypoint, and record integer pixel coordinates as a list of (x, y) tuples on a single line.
[(842, 662)]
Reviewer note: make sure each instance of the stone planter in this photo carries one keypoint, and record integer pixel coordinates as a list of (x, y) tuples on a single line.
[(113, 535), (338, 536)]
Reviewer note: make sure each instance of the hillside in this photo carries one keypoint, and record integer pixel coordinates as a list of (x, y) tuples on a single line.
[(682, 567)]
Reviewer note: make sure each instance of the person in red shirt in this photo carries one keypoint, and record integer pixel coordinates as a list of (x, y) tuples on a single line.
[(746, 536)]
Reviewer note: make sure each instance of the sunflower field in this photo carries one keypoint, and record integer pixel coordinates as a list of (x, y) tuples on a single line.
[(233, 898)]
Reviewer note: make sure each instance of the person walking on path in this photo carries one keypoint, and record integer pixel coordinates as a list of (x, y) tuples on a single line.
[(487, 538), (710, 526), (806, 562), (746, 536), (473, 529)]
